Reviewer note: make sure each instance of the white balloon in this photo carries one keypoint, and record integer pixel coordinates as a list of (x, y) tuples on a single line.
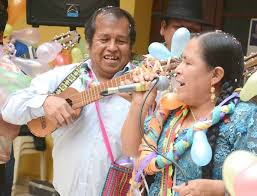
[(31, 67)]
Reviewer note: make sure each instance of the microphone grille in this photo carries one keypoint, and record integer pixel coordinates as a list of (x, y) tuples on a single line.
[(163, 83)]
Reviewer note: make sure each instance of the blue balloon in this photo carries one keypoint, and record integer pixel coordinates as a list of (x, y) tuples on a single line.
[(159, 51), (179, 41), (201, 152), (21, 48)]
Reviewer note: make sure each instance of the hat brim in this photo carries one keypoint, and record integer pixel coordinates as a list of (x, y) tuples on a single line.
[(203, 22)]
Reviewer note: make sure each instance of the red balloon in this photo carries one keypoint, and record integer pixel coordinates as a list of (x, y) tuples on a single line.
[(246, 182), (63, 58)]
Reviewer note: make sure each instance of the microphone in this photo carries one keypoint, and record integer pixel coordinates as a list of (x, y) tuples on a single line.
[(162, 84)]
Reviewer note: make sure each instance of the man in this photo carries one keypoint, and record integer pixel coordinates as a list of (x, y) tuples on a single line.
[(181, 13), (81, 161)]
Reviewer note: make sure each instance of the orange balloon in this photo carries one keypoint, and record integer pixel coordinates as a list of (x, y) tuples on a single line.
[(16, 10), (170, 101), (63, 58)]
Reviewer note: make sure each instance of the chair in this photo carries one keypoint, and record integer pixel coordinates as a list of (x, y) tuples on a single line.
[(25, 145)]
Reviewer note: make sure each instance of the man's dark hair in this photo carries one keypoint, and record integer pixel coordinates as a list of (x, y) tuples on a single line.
[(3, 14), (117, 13)]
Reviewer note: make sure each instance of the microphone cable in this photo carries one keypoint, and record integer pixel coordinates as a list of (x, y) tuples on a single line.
[(151, 146)]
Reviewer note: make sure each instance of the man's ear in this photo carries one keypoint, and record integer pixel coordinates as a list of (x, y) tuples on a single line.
[(217, 75), (163, 26)]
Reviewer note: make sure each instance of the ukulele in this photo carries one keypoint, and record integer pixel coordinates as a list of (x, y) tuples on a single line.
[(250, 65), (67, 40), (43, 126)]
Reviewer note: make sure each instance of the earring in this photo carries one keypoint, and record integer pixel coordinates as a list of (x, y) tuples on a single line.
[(213, 96)]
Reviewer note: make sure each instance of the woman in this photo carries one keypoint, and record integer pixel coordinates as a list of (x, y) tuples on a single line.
[(210, 71)]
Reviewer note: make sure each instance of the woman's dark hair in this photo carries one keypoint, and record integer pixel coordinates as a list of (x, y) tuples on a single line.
[(117, 13), (222, 49)]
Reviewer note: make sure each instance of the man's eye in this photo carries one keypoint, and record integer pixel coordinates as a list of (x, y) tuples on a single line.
[(104, 40), (121, 41)]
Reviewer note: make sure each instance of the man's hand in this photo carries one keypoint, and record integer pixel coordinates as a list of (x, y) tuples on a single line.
[(201, 187), (58, 111)]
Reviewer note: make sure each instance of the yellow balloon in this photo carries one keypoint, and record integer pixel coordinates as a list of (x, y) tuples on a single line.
[(234, 164), (76, 55), (8, 30), (249, 90)]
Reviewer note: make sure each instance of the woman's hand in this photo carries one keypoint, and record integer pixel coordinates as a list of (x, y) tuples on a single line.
[(201, 187), (142, 76)]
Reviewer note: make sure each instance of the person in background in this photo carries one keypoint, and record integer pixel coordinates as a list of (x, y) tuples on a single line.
[(7, 131), (181, 13), (80, 158), (208, 76)]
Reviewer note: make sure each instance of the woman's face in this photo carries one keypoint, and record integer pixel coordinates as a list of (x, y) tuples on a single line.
[(194, 76)]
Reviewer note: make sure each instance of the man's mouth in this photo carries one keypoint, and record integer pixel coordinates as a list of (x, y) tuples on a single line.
[(110, 57)]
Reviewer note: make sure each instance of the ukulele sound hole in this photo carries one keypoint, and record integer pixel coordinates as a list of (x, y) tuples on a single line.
[(69, 102)]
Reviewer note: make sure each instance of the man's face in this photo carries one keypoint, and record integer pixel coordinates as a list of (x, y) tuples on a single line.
[(168, 29), (111, 49)]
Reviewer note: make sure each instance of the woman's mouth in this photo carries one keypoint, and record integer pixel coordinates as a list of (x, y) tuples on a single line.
[(180, 83)]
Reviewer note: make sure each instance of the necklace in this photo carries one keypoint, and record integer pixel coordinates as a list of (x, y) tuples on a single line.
[(193, 114)]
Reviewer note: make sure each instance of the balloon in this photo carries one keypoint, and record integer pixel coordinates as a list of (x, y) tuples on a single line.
[(7, 64), (170, 101), (159, 51), (63, 58), (201, 151), (82, 46), (16, 10), (30, 66), (48, 51), (20, 48), (179, 41), (249, 90), (30, 36), (76, 55), (246, 182), (12, 81), (234, 164), (8, 30)]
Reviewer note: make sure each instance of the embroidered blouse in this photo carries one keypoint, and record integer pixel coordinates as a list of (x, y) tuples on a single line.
[(239, 133)]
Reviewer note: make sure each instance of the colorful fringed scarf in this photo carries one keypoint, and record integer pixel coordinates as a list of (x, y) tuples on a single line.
[(174, 151)]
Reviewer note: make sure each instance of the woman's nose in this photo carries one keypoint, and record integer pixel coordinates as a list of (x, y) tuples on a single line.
[(178, 70)]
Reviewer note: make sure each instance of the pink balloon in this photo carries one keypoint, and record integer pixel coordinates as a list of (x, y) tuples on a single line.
[(246, 182), (48, 51), (30, 36)]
